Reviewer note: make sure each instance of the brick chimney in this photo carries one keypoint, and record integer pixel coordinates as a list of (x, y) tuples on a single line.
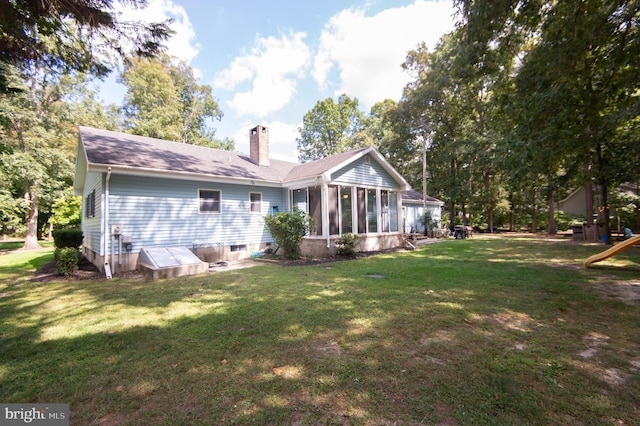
[(259, 146)]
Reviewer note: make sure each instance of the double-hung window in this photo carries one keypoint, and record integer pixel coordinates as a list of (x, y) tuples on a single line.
[(255, 199), (209, 201)]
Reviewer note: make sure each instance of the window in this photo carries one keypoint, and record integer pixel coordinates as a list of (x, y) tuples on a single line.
[(384, 207), (256, 202), (393, 211), (389, 211), (372, 210), (209, 201), (362, 210), (315, 208), (334, 217), (90, 207), (346, 209)]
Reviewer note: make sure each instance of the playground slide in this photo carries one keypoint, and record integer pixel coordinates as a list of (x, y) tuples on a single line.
[(612, 251)]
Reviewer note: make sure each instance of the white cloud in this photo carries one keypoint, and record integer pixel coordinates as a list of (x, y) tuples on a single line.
[(368, 51), (270, 71), (182, 44)]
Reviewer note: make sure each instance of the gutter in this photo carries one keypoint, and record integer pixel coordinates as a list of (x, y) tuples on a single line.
[(107, 267)]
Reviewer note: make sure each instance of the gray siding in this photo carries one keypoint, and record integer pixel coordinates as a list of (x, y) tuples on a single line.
[(91, 225), (362, 174), (164, 212)]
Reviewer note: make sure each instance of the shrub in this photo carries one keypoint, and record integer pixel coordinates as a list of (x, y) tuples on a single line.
[(288, 230), (67, 260), (63, 238), (347, 244)]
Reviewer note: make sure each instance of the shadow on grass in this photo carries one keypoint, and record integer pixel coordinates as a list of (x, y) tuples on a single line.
[(446, 336)]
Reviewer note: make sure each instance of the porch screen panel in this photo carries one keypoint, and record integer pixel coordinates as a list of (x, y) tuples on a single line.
[(372, 210), (384, 206), (362, 211), (346, 209), (393, 211), (334, 217), (315, 208)]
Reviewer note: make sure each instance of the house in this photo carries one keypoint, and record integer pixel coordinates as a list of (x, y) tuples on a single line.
[(413, 209), (147, 200)]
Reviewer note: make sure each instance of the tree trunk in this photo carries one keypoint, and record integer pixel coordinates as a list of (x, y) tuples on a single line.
[(31, 221), (553, 229), (534, 214), (588, 194), (604, 216), (490, 220)]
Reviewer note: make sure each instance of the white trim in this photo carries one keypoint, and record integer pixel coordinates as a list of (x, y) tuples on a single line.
[(146, 172)]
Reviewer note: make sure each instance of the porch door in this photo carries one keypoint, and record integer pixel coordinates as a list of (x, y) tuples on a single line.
[(334, 217), (362, 211), (315, 208)]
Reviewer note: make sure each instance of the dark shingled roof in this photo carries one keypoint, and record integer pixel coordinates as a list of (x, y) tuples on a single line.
[(104, 147), (413, 195)]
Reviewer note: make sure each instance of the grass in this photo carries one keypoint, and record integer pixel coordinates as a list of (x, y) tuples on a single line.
[(489, 331)]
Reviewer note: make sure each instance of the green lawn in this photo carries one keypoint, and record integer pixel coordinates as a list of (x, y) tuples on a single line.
[(488, 331)]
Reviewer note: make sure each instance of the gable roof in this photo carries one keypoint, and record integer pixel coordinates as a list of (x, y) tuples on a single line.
[(126, 152), (99, 150), (413, 196)]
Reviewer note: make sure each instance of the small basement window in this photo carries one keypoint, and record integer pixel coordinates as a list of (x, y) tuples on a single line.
[(238, 247)]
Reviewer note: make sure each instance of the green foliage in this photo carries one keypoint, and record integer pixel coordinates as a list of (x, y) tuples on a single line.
[(67, 211), (288, 230), (64, 238), (429, 223), (346, 244), (164, 100), (67, 260), (10, 213), (330, 128), (71, 35)]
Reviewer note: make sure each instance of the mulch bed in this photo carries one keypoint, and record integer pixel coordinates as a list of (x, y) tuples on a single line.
[(86, 271)]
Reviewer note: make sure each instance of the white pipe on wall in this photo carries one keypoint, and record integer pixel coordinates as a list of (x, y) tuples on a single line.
[(107, 233)]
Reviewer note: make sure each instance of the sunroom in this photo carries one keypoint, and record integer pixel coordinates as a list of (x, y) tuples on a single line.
[(360, 195)]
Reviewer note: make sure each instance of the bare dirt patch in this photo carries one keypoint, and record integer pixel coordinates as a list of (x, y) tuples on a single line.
[(625, 291)]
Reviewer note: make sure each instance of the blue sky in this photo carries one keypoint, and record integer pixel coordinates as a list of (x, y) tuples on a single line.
[(269, 62)]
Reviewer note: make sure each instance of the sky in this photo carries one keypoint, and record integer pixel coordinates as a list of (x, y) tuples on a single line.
[(270, 62)]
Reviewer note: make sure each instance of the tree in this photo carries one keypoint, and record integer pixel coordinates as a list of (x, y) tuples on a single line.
[(67, 210), (288, 230), (450, 110), (164, 100), (330, 128), (36, 165), (151, 107), (390, 132), (575, 90), (71, 35)]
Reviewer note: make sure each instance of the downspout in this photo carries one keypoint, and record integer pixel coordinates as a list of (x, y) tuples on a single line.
[(107, 267)]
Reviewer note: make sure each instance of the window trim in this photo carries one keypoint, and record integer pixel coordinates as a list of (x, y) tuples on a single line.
[(200, 211), (252, 203)]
